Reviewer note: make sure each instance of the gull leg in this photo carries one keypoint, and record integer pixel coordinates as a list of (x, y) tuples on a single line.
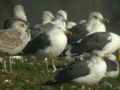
[(61, 87), (10, 64), (89, 88), (1, 62), (83, 87), (53, 65), (46, 62), (5, 64)]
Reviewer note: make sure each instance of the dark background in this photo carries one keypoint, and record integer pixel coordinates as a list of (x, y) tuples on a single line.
[(77, 9)]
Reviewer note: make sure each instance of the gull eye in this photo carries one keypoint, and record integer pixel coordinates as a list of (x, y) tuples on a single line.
[(95, 17), (22, 25)]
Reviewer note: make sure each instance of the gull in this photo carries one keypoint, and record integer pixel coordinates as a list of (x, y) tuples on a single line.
[(94, 23), (103, 44), (52, 41), (15, 35), (89, 70)]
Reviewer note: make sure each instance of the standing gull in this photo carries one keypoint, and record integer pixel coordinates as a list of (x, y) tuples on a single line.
[(15, 36), (52, 41)]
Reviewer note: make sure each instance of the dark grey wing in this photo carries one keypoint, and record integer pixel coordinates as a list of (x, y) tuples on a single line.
[(41, 41), (72, 71), (35, 32), (95, 41), (78, 32)]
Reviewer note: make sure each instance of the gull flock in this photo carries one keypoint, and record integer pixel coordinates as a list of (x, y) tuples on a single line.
[(88, 44)]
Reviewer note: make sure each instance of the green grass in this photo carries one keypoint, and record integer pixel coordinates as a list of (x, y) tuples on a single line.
[(29, 75)]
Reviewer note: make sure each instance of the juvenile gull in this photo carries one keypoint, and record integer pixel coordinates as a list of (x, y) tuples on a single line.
[(15, 34)]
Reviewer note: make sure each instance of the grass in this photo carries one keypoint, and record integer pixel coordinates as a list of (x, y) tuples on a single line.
[(29, 75)]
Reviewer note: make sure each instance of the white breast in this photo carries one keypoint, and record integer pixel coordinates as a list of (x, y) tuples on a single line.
[(114, 44), (58, 42), (97, 72)]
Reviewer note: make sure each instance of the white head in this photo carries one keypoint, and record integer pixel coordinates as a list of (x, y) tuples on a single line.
[(70, 24), (60, 20), (19, 22), (61, 14), (83, 21), (47, 17), (96, 22), (96, 15), (19, 12)]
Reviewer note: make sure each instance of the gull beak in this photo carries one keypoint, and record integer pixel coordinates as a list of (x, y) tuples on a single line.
[(68, 33), (118, 55)]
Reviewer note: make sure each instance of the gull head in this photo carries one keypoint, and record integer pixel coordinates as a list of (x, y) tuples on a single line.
[(60, 20), (19, 12), (96, 22), (20, 25), (70, 24), (19, 21), (47, 17), (96, 16), (61, 14)]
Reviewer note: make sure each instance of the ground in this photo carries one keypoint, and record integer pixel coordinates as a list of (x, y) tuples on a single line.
[(29, 74)]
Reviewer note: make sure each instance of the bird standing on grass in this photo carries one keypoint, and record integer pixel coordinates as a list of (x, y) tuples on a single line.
[(16, 34), (52, 41)]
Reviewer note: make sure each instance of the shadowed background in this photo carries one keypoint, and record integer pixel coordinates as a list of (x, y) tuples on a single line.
[(77, 9)]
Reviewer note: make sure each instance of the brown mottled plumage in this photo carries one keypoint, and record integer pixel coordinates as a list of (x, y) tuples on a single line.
[(15, 37), (7, 37)]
